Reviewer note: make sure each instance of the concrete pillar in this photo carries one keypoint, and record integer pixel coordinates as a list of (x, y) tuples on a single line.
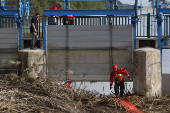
[(147, 72), (34, 59)]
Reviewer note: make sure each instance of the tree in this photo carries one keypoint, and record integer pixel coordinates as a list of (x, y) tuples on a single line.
[(11, 3), (36, 7), (39, 5), (53, 2), (44, 4)]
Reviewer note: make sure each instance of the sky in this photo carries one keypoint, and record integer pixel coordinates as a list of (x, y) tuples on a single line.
[(144, 2)]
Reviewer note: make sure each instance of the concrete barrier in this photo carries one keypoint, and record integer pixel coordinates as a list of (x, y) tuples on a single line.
[(34, 59), (147, 72)]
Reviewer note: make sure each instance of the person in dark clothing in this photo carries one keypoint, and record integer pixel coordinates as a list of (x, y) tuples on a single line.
[(33, 30)]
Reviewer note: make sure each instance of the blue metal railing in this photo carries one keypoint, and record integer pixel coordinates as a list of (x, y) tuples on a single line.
[(9, 22), (93, 20), (166, 26), (26, 28), (142, 27)]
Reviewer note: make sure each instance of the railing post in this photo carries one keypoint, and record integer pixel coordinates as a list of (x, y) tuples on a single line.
[(159, 35), (134, 35), (148, 25), (44, 33), (37, 27), (166, 20), (20, 34), (134, 20), (159, 22)]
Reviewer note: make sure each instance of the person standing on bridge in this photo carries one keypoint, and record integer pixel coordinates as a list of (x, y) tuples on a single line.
[(33, 30), (118, 75), (53, 18), (68, 19)]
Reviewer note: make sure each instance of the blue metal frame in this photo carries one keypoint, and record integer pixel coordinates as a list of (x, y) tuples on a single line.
[(164, 11), (8, 12), (88, 12), (159, 17), (2, 2), (159, 22), (44, 34), (153, 7), (3, 5), (141, 7), (23, 8), (26, 8)]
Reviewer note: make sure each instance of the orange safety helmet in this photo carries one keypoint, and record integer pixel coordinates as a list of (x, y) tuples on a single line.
[(114, 67)]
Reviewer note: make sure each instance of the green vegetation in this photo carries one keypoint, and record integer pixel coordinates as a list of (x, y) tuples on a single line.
[(39, 5)]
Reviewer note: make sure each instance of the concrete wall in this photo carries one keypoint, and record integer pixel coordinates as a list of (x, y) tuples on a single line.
[(165, 85), (165, 72), (86, 50), (8, 44)]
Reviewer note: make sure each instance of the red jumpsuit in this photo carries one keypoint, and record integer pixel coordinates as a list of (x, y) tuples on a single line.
[(119, 80), (68, 18), (53, 20), (67, 85), (54, 8)]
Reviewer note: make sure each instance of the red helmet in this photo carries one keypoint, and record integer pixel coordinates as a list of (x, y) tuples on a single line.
[(114, 67), (54, 8), (69, 80)]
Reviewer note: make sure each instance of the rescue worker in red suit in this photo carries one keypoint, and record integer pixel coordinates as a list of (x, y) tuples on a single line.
[(53, 19), (68, 18), (118, 75), (68, 83)]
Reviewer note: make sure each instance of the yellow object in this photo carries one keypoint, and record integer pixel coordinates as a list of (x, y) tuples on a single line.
[(118, 75)]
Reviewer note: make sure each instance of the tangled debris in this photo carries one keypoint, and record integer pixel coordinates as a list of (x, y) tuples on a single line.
[(28, 94)]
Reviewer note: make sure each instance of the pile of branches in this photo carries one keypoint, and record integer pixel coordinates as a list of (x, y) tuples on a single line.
[(25, 93), (28, 94), (146, 104)]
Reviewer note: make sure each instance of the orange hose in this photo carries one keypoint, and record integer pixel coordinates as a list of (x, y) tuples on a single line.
[(127, 105)]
